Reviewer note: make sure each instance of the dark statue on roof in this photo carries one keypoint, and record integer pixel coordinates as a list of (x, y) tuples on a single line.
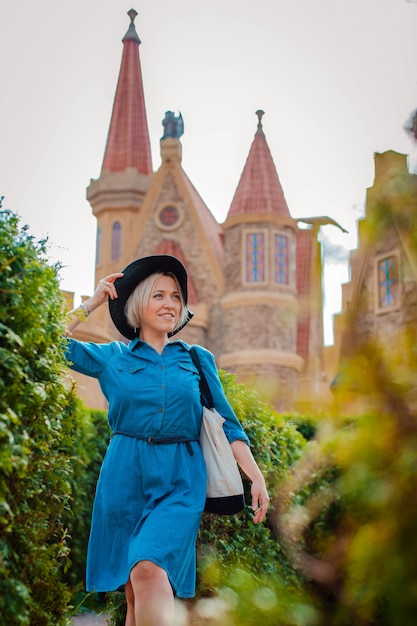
[(173, 126)]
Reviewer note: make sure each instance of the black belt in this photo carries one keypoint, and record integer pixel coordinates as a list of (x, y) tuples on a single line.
[(159, 440)]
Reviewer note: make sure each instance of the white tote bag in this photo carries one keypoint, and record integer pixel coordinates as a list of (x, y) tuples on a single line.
[(225, 494), (224, 482)]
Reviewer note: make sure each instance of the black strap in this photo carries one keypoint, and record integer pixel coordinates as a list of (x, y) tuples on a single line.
[(206, 397)]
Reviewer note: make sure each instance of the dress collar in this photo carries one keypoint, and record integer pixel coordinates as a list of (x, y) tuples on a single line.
[(135, 343)]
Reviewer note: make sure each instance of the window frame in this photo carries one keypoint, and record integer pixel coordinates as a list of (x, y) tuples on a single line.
[(245, 267), (280, 233), (393, 254), (116, 245)]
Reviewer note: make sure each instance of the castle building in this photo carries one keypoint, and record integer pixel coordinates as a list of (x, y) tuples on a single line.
[(254, 280), (379, 303)]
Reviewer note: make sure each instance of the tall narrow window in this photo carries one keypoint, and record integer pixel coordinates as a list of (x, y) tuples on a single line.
[(388, 282), (98, 246), (116, 241), (255, 257), (281, 259)]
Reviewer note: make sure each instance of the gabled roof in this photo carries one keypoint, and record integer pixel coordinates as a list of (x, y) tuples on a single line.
[(169, 184), (259, 189), (128, 139), (211, 227)]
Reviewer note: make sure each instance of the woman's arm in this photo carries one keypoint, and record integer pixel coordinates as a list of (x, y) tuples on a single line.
[(105, 290), (260, 497)]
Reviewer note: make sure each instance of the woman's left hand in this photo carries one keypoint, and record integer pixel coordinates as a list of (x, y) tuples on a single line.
[(260, 500), (260, 497)]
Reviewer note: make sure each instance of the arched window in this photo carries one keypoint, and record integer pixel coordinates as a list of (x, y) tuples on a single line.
[(388, 283), (255, 257), (281, 259), (98, 246), (116, 241)]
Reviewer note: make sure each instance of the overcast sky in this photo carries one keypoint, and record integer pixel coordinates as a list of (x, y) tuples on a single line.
[(337, 80)]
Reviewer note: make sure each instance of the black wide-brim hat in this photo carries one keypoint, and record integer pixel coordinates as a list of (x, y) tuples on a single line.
[(134, 274)]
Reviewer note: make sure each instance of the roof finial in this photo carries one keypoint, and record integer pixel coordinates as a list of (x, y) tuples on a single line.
[(131, 31), (132, 14), (260, 115)]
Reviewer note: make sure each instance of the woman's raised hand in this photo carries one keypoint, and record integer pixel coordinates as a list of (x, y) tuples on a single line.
[(105, 289)]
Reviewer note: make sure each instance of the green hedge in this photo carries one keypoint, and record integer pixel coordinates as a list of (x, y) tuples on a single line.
[(87, 452), (36, 424)]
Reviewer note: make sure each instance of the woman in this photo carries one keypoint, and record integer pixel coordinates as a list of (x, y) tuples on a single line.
[(151, 491)]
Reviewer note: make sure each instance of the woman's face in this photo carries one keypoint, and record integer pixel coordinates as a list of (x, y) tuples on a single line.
[(163, 309)]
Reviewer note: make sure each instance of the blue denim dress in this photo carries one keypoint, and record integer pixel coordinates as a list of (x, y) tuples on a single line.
[(150, 496)]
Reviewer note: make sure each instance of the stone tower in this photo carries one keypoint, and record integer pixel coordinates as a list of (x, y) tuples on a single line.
[(141, 212), (260, 299), (116, 197)]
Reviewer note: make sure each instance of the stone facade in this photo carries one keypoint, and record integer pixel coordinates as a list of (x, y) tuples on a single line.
[(381, 297)]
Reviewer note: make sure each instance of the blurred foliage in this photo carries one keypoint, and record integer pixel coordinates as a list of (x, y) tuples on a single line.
[(35, 432), (354, 536), (305, 424)]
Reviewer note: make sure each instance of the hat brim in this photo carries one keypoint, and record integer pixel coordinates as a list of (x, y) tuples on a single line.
[(134, 274)]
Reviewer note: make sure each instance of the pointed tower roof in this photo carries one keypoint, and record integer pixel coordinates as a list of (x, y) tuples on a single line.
[(128, 139), (259, 189)]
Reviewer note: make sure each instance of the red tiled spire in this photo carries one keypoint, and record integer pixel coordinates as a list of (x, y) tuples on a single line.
[(128, 139), (259, 189)]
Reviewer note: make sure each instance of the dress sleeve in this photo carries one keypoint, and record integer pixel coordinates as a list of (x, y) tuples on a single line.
[(87, 357), (232, 426)]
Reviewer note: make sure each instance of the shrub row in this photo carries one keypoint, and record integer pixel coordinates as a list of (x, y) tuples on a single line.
[(36, 431)]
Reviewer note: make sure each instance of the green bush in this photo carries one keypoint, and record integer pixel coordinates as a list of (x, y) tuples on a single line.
[(87, 451), (35, 432), (276, 445)]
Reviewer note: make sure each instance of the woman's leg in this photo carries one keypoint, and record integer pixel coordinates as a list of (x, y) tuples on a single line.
[(153, 595), (130, 601)]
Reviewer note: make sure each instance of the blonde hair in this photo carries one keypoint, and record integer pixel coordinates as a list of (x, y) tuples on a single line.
[(140, 296)]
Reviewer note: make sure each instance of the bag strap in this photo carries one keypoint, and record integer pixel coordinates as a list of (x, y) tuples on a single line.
[(204, 388)]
